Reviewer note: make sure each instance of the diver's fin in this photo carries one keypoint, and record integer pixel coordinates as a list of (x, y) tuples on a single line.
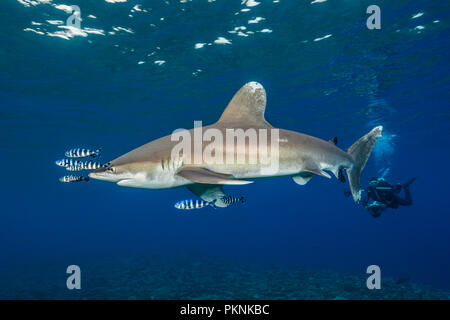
[(406, 185), (247, 107), (334, 141), (209, 193), (302, 178), (206, 176)]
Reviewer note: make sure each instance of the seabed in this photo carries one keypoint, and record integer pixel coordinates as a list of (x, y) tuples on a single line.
[(158, 278)]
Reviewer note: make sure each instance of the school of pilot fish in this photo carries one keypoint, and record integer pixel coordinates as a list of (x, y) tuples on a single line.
[(76, 165)]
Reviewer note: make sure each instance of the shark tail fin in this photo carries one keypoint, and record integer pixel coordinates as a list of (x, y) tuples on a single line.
[(360, 152)]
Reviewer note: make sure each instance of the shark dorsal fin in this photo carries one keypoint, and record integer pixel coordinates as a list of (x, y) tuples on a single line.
[(247, 107)]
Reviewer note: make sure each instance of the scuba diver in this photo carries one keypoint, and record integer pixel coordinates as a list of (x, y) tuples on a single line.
[(384, 195)]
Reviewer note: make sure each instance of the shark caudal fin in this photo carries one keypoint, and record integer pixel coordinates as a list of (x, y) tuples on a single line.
[(360, 152)]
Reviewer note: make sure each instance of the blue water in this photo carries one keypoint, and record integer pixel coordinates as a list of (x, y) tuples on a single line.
[(102, 87)]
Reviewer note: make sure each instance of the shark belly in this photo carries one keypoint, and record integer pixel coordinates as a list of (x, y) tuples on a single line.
[(156, 180)]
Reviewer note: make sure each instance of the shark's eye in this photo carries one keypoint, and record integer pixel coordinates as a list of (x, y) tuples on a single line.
[(108, 167)]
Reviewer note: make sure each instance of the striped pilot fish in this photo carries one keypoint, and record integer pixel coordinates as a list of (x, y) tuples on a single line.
[(74, 168), (194, 204), (76, 165), (73, 179), (231, 199), (83, 153)]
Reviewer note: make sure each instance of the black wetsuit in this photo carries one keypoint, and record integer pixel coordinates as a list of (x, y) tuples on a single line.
[(382, 195), (385, 193)]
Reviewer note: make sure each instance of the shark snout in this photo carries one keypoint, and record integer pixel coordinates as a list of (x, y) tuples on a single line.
[(103, 174), (98, 171), (111, 173)]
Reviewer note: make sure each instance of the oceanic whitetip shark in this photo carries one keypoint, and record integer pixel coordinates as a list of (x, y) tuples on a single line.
[(300, 156)]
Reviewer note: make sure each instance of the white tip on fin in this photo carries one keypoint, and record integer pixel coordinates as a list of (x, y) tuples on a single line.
[(247, 106), (302, 179)]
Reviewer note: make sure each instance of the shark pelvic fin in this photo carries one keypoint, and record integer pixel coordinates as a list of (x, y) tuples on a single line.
[(247, 107), (206, 176), (302, 178)]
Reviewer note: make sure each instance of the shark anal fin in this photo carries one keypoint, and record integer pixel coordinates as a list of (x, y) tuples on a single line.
[(206, 176), (319, 172), (312, 167), (302, 178)]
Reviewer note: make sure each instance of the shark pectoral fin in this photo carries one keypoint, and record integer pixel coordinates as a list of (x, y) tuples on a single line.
[(302, 178), (203, 175), (208, 192)]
